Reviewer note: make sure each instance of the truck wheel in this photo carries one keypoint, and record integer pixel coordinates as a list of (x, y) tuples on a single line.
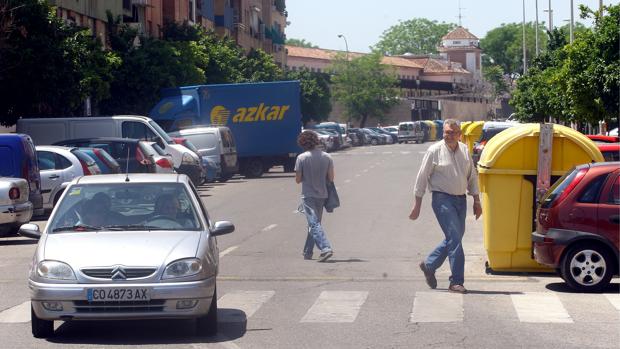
[(374, 142), (41, 328), (254, 168), (207, 324)]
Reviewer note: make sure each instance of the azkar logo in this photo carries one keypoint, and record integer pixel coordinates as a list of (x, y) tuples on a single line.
[(262, 112)]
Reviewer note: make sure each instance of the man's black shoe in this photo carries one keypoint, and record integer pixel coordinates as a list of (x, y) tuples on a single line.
[(431, 281)]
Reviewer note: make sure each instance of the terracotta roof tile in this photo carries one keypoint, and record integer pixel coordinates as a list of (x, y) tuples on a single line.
[(459, 33)]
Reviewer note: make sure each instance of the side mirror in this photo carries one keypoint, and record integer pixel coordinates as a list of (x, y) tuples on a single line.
[(30, 231), (222, 227)]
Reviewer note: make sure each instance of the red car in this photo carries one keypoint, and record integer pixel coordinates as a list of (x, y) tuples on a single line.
[(578, 226), (604, 139), (610, 151)]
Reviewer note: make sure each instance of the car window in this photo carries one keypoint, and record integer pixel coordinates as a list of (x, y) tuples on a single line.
[(128, 206), (614, 195), (138, 130), (46, 160), (590, 193), (557, 188), (62, 162)]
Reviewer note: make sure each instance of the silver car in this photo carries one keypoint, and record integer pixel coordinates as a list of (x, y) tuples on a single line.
[(135, 246), (15, 209)]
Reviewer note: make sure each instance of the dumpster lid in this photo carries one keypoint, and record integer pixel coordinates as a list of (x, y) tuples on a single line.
[(502, 141), (473, 127)]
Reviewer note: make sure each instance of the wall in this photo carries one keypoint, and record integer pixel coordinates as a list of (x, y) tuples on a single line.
[(464, 111)]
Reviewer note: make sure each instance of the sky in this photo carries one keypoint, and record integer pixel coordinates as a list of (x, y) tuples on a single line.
[(363, 21)]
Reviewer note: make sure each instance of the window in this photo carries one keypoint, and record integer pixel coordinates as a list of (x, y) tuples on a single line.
[(614, 196), (590, 193), (62, 162), (46, 160), (138, 130)]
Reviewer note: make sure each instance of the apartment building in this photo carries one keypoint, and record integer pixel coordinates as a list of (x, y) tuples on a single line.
[(89, 13)]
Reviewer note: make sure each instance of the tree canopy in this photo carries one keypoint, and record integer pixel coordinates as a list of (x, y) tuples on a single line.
[(417, 35), (300, 43), (364, 86), (315, 94)]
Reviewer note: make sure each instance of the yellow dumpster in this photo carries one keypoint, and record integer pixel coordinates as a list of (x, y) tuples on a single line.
[(507, 175), (472, 134), (432, 130), (464, 125)]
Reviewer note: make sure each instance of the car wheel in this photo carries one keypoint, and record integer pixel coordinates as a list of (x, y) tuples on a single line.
[(587, 267), (207, 324), (41, 328), (254, 168), (374, 142)]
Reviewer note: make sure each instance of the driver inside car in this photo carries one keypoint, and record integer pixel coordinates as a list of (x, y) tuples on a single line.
[(167, 206)]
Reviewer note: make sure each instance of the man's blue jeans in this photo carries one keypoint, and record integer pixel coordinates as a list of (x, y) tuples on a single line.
[(312, 208), (450, 211)]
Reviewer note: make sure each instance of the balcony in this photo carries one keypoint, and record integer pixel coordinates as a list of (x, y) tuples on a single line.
[(141, 3), (225, 20)]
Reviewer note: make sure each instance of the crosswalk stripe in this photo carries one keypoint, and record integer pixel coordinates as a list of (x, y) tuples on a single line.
[(18, 313), (336, 306), (540, 307), (437, 307), (246, 302), (614, 299)]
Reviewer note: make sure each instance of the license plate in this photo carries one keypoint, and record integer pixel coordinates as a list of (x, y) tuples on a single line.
[(118, 294)]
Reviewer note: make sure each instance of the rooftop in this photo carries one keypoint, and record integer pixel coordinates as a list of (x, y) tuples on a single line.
[(459, 33)]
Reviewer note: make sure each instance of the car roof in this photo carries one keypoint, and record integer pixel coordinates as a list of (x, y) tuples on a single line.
[(499, 124), (608, 146), (55, 148), (194, 130), (133, 178), (612, 165), (101, 139)]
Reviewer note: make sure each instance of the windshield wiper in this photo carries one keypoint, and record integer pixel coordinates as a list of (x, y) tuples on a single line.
[(131, 227), (77, 227)]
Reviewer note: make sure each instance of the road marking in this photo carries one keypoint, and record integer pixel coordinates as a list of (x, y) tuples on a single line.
[(369, 153), (614, 299), (16, 314), (437, 307), (268, 228), (540, 307), (336, 306), (405, 152), (387, 152), (421, 152), (366, 170), (347, 181), (227, 251), (358, 175), (247, 302)]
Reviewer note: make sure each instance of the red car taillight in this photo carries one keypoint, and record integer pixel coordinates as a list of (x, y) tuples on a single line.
[(85, 168), (570, 186), (14, 193), (163, 162)]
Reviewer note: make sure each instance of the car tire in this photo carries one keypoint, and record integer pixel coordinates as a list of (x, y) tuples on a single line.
[(374, 142), (254, 168), (41, 328), (207, 324), (598, 261)]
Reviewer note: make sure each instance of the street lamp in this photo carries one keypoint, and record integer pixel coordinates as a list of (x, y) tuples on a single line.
[(345, 44)]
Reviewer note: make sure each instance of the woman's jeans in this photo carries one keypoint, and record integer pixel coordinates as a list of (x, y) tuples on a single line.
[(450, 211), (312, 208)]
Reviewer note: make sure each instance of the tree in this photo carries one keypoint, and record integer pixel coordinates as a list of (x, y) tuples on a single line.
[(418, 36), (259, 66), (503, 46), (300, 43), (495, 75), (315, 94), (364, 86), (48, 68)]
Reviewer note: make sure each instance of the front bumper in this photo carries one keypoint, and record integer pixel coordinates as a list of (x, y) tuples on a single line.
[(163, 303), (194, 172), (16, 214)]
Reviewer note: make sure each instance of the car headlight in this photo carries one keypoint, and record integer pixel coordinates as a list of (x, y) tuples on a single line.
[(55, 270), (189, 159), (182, 268)]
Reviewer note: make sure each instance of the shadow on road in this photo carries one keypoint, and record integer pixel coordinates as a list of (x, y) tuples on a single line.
[(350, 260), (564, 288), (13, 242), (147, 332)]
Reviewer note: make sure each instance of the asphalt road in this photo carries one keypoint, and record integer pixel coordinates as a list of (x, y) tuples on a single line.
[(371, 294)]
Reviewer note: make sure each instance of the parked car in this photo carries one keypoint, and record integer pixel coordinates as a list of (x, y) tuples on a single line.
[(489, 130), (577, 226), (15, 209), (59, 166), (328, 139), (104, 161), (129, 153), (610, 151), (604, 139), (392, 129), (217, 144), (18, 159), (613, 132), (157, 155), (187, 144), (375, 138), (118, 248), (410, 131), (336, 128), (355, 139), (362, 138), (391, 139)]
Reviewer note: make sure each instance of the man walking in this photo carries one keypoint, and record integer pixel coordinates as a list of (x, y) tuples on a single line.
[(447, 169), (313, 169)]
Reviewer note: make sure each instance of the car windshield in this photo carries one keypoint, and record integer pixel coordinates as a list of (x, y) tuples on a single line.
[(125, 206), (557, 188)]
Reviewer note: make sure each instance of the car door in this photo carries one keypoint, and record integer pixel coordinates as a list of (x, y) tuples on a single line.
[(581, 214), (609, 209)]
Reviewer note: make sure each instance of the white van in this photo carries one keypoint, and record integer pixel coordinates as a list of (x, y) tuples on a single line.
[(47, 131), (215, 143), (410, 131)]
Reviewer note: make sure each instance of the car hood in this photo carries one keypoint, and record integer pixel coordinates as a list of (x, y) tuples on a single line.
[(139, 248)]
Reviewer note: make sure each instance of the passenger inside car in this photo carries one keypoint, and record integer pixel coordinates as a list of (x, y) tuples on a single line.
[(168, 208)]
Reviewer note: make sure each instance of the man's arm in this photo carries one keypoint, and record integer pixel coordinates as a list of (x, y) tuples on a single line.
[(472, 187), (298, 177), (297, 170), (420, 185), (330, 171)]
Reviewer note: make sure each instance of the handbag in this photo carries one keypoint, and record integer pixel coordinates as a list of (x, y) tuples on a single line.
[(333, 200)]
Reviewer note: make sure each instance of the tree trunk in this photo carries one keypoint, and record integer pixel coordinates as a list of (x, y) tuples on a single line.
[(363, 121)]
